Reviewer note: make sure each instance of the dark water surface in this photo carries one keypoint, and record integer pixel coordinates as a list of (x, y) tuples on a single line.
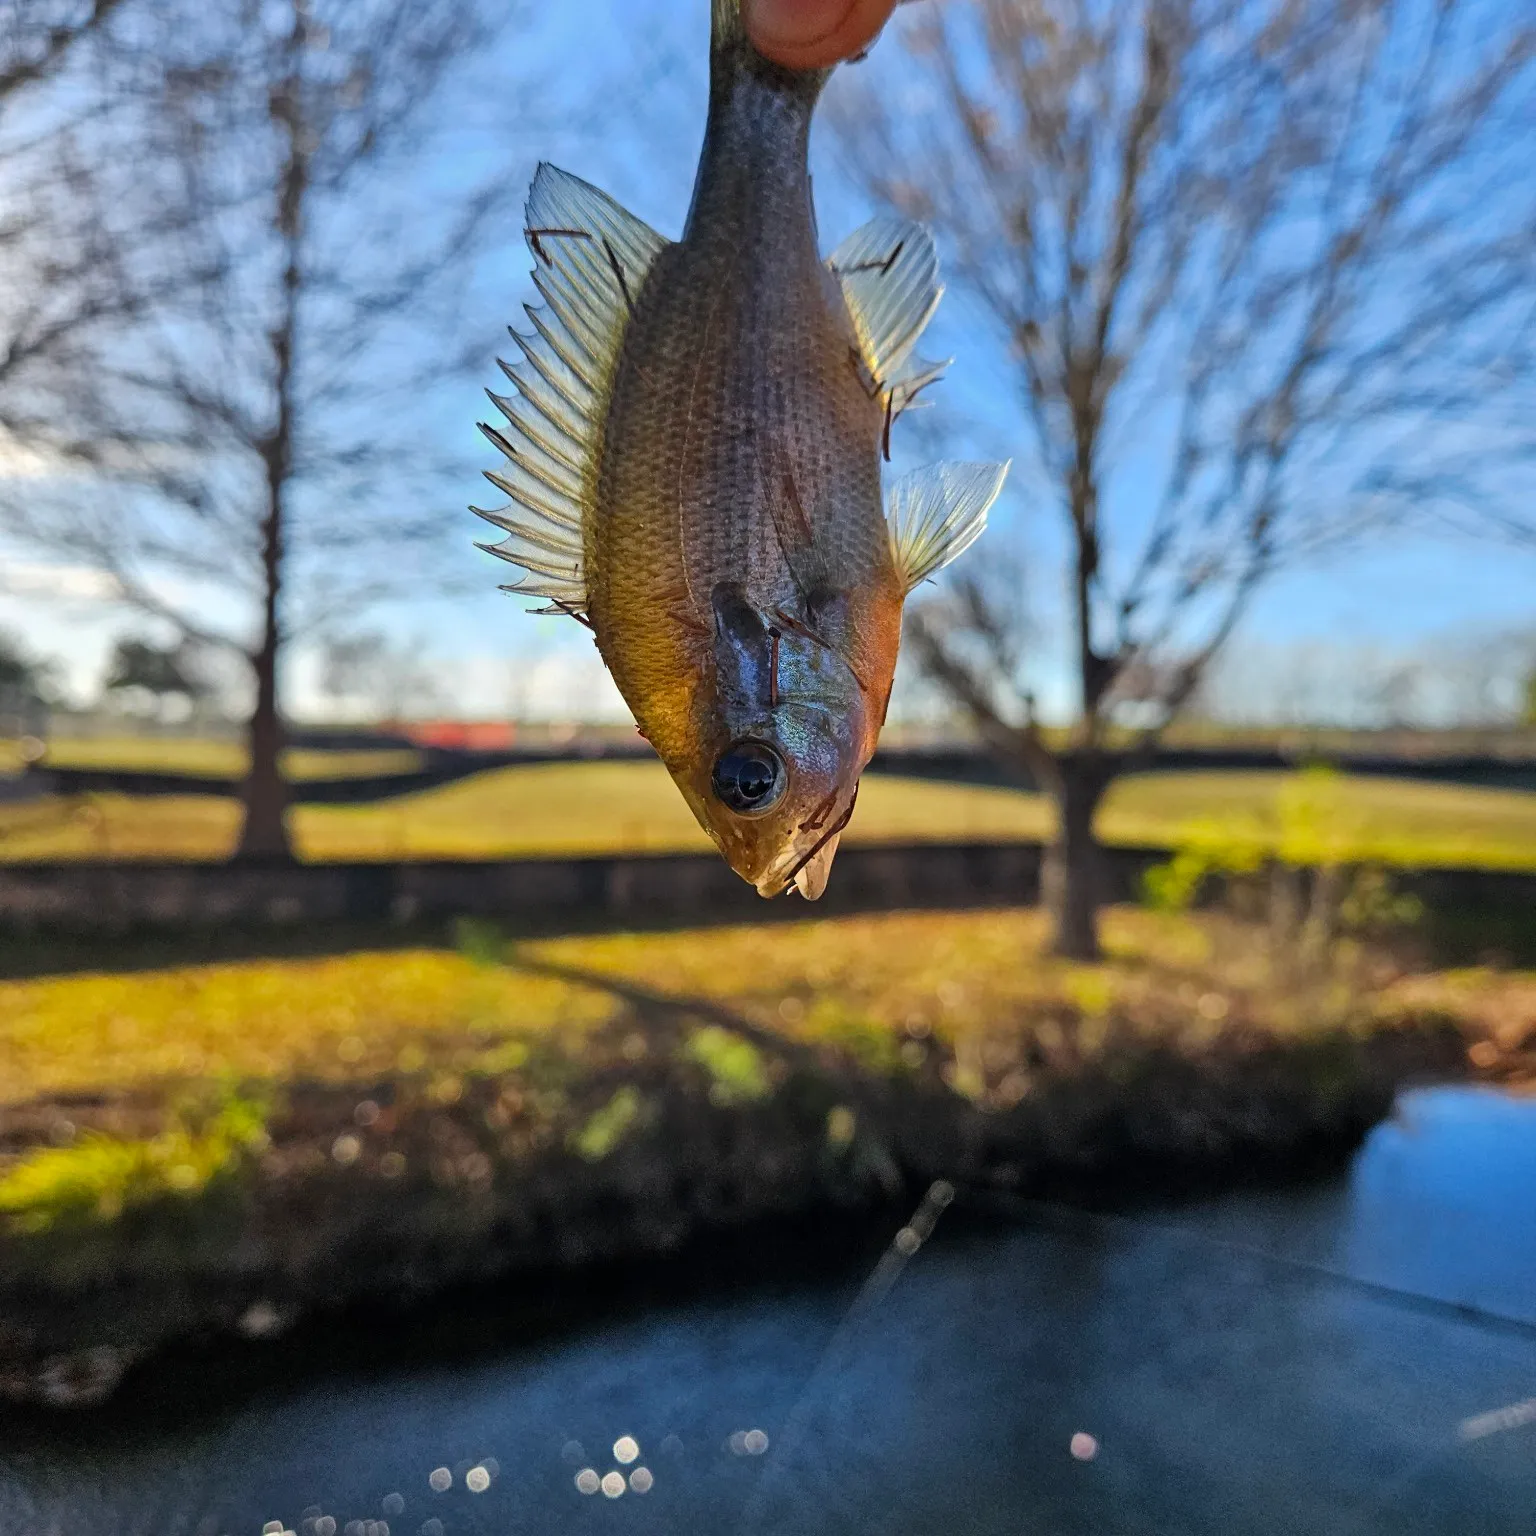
[(1358, 1355)]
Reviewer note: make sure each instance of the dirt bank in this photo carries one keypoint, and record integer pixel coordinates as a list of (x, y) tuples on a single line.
[(242, 1216)]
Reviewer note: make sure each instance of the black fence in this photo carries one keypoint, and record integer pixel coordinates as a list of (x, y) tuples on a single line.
[(447, 765), (641, 890)]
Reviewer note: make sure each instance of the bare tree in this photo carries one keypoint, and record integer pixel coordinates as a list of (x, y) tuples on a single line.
[(267, 447), (66, 71), (1277, 256)]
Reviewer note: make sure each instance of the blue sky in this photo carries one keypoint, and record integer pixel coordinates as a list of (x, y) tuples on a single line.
[(1406, 592)]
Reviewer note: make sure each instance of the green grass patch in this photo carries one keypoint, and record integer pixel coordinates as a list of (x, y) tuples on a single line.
[(101, 1176), (603, 1131), (738, 1073)]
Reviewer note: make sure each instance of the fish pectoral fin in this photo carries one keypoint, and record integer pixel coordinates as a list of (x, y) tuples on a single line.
[(591, 257), (936, 513), (909, 380), (888, 270)]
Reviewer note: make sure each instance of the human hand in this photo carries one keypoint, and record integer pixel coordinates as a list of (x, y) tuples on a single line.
[(814, 34)]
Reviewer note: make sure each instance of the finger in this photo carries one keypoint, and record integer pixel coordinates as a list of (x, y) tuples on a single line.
[(814, 34)]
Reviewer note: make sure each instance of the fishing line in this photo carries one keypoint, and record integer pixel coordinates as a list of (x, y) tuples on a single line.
[(1018, 1206), (910, 1238), (1077, 1217), (888, 1269)]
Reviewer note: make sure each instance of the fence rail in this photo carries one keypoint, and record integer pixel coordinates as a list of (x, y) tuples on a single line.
[(629, 890), (447, 765)]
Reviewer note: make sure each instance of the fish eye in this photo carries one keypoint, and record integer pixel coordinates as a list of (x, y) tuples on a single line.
[(749, 777)]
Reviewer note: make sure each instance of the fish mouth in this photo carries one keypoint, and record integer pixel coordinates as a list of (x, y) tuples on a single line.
[(808, 877), (811, 877), (809, 872)]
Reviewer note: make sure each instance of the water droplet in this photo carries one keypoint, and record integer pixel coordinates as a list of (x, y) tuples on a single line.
[(477, 1479), (432, 1527), (441, 1480), (1084, 1447), (259, 1321), (587, 1481), (738, 1442), (908, 1242), (641, 1480), (754, 1442), (346, 1149), (625, 1449), (613, 1484), (393, 1504), (325, 1526)]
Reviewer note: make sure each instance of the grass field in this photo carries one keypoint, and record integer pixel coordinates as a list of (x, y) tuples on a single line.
[(319, 1129), (864, 984), (220, 759), (607, 807)]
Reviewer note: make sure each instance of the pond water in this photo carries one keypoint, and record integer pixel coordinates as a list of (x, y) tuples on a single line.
[(1356, 1355)]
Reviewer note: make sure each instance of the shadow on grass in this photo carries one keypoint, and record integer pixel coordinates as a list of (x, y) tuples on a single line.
[(666, 1012), (62, 954), (1491, 934)]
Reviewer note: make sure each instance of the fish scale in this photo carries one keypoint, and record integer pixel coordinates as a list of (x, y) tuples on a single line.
[(694, 468)]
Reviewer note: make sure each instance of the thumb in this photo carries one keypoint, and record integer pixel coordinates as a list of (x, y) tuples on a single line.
[(813, 34)]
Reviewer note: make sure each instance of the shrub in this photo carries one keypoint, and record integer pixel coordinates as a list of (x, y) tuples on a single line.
[(1290, 873)]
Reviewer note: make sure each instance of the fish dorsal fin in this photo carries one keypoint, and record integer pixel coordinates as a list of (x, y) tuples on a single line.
[(889, 273), (938, 512), (590, 258)]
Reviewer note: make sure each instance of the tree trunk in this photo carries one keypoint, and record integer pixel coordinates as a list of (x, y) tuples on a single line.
[(1073, 879), (265, 792), (265, 835)]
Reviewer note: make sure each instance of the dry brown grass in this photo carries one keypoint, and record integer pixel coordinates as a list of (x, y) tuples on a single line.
[(876, 986), (618, 807)]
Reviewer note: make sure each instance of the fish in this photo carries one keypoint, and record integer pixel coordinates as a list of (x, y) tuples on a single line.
[(693, 465)]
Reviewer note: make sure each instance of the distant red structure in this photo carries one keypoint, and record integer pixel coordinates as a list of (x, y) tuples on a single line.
[(466, 735)]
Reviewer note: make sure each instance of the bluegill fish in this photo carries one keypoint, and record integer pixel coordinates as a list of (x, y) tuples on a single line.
[(694, 466)]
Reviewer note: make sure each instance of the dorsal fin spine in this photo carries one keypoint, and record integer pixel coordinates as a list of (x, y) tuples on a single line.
[(591, 258)]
